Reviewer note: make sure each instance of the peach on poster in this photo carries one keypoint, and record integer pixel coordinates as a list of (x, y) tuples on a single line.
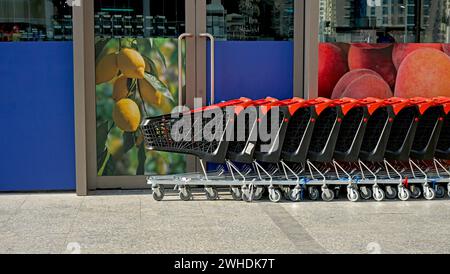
[(424, 73), (332, 65)]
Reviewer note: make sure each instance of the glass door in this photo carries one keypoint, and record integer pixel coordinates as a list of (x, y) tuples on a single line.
[(138, 45), (245, 48)]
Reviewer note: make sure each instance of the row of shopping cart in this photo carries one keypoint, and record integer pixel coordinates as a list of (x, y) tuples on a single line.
[(373, 148)]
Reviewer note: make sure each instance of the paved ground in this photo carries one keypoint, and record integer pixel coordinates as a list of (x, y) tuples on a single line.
[(123, 222)]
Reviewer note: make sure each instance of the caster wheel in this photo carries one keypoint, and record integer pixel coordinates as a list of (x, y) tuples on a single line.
[(294, 197), (404, 194), (378, 194), (391, 192), (352, 194), (236, 194), (415, 192), (327, 195), (440, 191), (429, 193), (158, 193), (259, 193), (365, 193), (313, 193), (185, 195), (275, 195), (214, 195)]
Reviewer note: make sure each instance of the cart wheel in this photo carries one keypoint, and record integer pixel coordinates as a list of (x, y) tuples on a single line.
[(327, 195), (313, 193), (294, 197), (236, 193), (404, 194), (185, 196), (212, 196), (415, 192), (391, 192), (158, 193), (352, 194), (378, 193), (259, 193), (429, 193), (440, 191), (365, 192), (275, 195)]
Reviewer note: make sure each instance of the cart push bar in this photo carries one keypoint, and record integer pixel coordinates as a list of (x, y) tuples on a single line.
[(309, 149)]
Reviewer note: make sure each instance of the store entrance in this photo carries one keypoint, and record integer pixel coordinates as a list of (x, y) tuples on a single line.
[(152, 56)]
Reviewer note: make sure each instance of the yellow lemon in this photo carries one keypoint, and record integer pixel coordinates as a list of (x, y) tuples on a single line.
[(106, 69), (149, 94), (126, 115), (131, 63), (120, 90)]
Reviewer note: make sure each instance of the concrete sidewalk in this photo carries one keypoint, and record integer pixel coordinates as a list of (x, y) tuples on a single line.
[(131, 222)]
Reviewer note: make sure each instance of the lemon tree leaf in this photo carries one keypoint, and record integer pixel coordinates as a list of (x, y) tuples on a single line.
[(158, 85), (99, 47), (162, 57), (128, 141), (109, 167), (102, 135), (151, 64), (141, 158)]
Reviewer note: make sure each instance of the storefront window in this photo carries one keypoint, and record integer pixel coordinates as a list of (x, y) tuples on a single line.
[(136, 51), (35, 20), (384, 48), (250, 19)]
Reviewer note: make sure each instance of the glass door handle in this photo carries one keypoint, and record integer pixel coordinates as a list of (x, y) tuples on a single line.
[(180, 66), (212, 41)]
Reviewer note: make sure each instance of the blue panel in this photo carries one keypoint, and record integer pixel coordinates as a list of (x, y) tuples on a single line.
[(253, 69), (36, 116)]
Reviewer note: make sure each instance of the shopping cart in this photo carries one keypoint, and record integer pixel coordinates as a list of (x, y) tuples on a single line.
[(372, 147)]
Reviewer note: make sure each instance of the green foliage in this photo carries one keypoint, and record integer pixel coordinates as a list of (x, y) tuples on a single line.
[(117, 151)]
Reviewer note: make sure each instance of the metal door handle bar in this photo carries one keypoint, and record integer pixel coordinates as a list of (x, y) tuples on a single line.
[(180, 66), (212, 41)]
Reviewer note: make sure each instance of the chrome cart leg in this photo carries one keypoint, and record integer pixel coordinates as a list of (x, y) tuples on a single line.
[(327, 194), (428, 192), (352, 193), (295, 193), (158, 192), (365, 192), (185, 193), (236, 193), (403, 193), (378, 193), (274, 194), (391, 192), (211, 193)]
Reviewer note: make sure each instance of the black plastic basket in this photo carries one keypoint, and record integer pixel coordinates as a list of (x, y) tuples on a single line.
[(269, 151), (428, 129), (157, 132), (377, 132), (403, 130), (443, 145), (325, 133), (352, 131), (242, 151), (300, 130)]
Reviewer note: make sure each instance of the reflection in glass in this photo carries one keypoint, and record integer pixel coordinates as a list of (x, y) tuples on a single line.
[(372, 21), (250, 19), (162, 18), (35, 20)]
